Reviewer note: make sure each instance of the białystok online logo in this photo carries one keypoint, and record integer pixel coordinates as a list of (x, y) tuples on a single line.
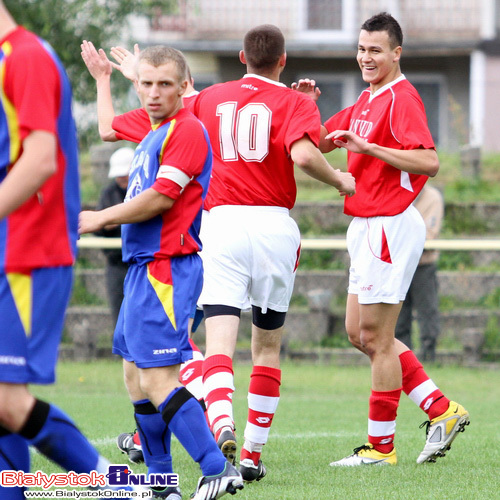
[(121, 475), (118, 476)]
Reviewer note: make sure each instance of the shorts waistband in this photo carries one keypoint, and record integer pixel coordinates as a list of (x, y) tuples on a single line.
[(249, 209)]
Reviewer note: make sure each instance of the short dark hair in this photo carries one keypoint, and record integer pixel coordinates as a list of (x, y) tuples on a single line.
[(263, 46), (385, 22), (156, 55)]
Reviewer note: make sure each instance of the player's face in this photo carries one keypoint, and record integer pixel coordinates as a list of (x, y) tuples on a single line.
[(159, 90), (379, 63)]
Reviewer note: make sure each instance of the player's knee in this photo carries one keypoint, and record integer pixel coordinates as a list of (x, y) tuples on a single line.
[(270, 320)]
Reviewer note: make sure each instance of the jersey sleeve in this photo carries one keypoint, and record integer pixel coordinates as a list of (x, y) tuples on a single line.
[(340, 120), (132, 126), (183, 158), (36, 100), (306, 121), (409, 122)]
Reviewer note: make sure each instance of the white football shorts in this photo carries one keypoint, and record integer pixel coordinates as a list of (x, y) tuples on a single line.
[(384, 253), (250, 255)]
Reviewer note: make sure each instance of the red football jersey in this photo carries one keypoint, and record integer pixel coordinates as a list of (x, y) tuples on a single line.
[(135, 125), (252, 123), (393, 117)]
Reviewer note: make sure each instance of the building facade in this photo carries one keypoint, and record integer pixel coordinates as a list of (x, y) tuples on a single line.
[(451, 52)]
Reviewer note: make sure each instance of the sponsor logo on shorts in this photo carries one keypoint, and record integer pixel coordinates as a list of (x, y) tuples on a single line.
[(172, 350), (13, 360), (366, 288)]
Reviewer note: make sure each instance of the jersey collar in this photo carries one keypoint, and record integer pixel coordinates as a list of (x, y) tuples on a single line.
[(381, 90), (264, 79)]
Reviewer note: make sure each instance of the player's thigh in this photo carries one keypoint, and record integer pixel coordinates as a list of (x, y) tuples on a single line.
[(275, 253), (384, 254), (159, 298), (32, 311), (226, 259)]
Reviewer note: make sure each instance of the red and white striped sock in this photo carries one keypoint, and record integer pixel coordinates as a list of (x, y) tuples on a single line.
[(263, 399), (382, 419), (420, 388), (218, 387), (191, 373)]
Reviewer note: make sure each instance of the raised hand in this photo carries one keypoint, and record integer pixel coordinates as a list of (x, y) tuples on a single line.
[(308, 87), (126, 62), (96, 61)]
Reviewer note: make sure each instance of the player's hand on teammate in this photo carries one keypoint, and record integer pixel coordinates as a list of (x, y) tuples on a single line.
[(349, 140), (347, 185), (126, 61), (96, 61), (308, 87)]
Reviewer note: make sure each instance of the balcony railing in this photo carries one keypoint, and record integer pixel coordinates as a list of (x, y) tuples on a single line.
[(303, 19)]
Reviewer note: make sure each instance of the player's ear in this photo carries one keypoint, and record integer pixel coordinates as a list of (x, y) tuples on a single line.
[(183, 87), (283, 60), (397, 53), (243, 59)]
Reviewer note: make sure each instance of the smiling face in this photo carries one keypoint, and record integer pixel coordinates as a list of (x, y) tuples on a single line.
[(378, 61), (160, 90)]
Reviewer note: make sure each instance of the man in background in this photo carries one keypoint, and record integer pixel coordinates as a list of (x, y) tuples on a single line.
[(422, 295), (112, 194)]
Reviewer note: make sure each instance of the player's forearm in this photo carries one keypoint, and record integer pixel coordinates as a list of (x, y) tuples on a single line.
[(310, 160), (143, 207), (325, 145), (105, 109), (413, 161), (34, 167)]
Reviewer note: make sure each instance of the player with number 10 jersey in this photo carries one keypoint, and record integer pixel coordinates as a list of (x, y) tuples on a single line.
[(251, 135)]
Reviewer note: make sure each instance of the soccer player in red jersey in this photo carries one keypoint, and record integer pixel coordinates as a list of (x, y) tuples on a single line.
[(391, 154), (258, 129)]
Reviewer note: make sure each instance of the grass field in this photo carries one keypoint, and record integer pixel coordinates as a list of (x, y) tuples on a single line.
[(322, 416)]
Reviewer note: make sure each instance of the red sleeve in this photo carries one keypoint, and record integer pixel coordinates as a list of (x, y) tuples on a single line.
[(340, 120), (35, 99), (187, 151), (132, 126), (306, 121), (411, 128)]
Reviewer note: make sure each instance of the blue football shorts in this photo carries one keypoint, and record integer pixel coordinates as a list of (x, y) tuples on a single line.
[(32, 309), (159, 297)]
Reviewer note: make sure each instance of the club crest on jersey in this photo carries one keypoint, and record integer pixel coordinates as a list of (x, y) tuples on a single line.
[(134, 188)]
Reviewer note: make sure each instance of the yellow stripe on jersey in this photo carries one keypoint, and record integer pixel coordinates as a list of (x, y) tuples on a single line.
[(165, 293), (21, 289), (10, 110), (169, 134)]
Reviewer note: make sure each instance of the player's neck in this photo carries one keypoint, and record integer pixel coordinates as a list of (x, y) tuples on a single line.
[(270, 74), (7, 23)]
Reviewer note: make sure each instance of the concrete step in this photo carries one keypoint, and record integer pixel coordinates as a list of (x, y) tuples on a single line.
[(468, 286), (303, 325)]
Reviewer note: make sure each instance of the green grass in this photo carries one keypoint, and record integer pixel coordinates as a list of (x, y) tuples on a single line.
[(322, 416)]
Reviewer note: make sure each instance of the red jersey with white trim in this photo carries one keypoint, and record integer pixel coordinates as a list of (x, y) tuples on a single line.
[(252, 124), (135, 125), (393, 117), (35, 95)]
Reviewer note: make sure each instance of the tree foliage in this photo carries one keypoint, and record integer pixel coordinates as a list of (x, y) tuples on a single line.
[(65, 23)]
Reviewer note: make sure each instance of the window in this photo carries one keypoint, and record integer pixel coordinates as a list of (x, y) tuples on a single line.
[(324, 15), (332, 20), (430, 94)]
